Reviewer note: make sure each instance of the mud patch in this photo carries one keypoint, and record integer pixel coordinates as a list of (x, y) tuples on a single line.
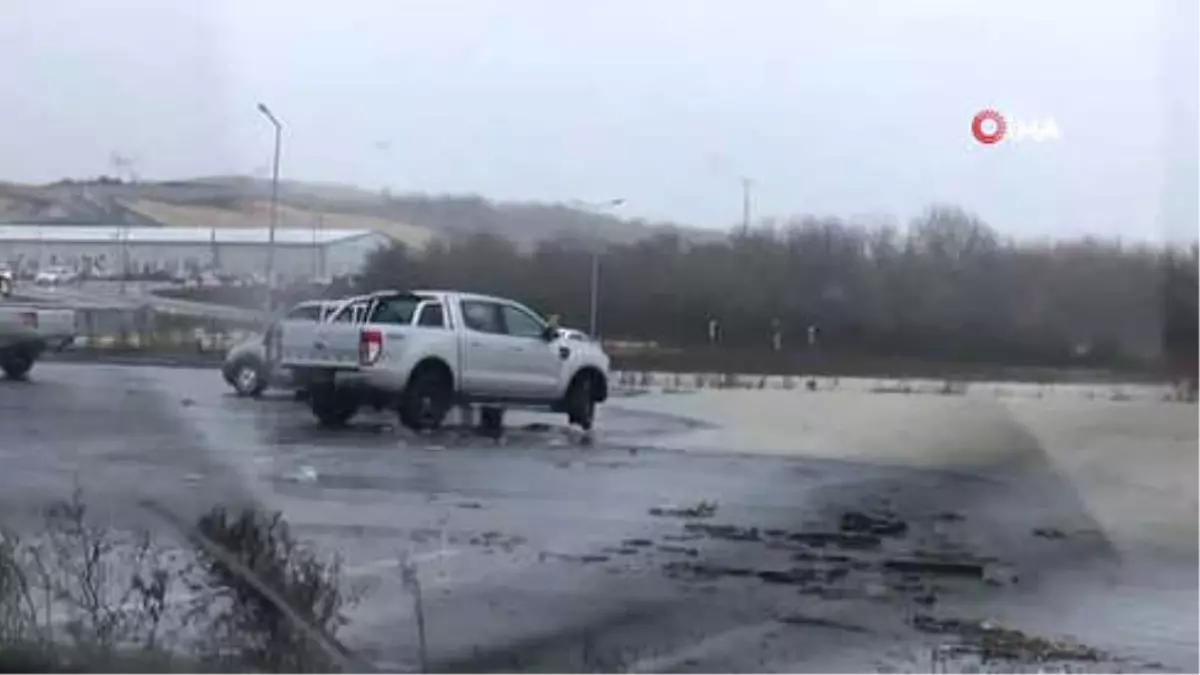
[(991, 642), (866, 554)]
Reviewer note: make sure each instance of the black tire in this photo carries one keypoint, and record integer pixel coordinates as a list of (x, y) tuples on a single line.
[(581, 402), (16, 364), (491, 422), (332, 408), (249, 378), (427, 399)]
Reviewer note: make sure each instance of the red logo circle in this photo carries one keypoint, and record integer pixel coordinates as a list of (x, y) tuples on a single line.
[(997, 120)]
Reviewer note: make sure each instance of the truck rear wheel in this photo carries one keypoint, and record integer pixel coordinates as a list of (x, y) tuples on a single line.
[(491, 421), (16, 364), (427, 399), (332, 408)]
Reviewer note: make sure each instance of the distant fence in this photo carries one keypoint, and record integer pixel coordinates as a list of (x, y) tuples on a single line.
[(802, 362), (158, 330), (149, 329)]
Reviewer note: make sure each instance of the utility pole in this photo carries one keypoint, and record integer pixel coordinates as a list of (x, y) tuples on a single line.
[(121, 164), (318, 223), (746, 183), (593, 306), (262, 108)]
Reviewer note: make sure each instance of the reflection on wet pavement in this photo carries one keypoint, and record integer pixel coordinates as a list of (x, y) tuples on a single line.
[(537, 552)]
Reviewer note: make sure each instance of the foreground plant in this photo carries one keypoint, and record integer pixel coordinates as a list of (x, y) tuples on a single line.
[(78, 597)]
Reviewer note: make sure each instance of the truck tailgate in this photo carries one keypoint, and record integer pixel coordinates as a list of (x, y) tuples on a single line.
[(48, 323), (56, 325), (305, 344)]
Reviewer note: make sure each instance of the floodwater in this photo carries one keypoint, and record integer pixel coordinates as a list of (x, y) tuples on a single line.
[(736, 531)]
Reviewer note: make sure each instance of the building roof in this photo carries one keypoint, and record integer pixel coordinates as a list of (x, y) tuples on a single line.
[(96, 234)]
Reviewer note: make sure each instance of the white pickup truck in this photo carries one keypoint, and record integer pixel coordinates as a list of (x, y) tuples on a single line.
[(26, 331), (422, 352)]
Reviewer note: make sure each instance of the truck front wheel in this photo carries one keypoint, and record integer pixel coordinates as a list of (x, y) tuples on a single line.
[(16, 363), (581, 401), (427, 398), (332, 409)]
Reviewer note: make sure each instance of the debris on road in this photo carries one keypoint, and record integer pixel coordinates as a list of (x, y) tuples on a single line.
[(820, 622), (704, 509), (849, 540), (1049, 533), (992, 642), (680, 550), (885, 525), (586, 558), (940, 567), (497, 539), (704, 571), (728, 532)]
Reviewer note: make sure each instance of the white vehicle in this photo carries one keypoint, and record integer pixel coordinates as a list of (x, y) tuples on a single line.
[(250, 370), (422, 352), (26, 331), (53, 276), (6, 282)]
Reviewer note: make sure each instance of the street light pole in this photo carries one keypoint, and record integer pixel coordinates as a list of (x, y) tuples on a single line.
[(746, 183), (594, 303), (262, 108)]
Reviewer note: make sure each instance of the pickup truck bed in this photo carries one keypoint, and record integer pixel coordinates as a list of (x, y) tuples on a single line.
[(26, 331)]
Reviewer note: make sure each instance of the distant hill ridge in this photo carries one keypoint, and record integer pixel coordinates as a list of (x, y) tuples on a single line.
[(243, 201)]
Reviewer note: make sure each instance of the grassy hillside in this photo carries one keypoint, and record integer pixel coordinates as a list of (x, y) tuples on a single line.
[(236, 201), (257, 212)]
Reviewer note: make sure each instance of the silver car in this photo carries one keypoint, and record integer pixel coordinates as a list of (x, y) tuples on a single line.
[(250, 370)]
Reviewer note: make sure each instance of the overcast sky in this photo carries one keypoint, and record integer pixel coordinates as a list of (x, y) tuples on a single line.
[(851, 107)]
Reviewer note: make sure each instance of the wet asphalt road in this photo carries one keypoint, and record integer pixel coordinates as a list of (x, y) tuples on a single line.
[(540, 553)]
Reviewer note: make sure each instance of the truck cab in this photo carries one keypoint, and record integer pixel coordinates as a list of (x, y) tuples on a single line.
[(421, 352)]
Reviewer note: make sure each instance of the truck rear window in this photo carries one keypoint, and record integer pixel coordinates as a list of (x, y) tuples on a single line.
[(397, 309), (432, 316)]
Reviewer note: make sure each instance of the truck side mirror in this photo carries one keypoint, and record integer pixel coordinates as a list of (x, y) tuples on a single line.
[(550, 333)]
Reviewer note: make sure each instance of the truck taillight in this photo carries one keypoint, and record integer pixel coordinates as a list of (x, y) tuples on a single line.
[(370, 345), (29, 319)]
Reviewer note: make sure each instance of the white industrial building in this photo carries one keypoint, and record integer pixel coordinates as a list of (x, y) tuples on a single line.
[(300, 253)]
